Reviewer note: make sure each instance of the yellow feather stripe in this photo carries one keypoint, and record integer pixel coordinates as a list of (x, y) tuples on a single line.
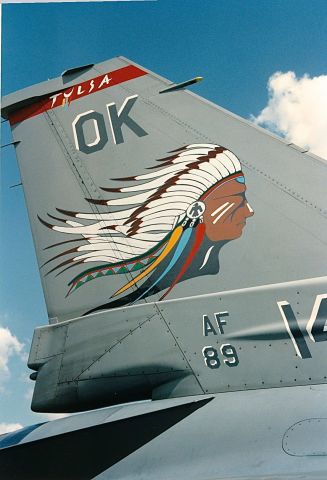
[(170, 245)]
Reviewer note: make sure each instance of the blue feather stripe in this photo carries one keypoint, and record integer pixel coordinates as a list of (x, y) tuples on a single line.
[(178, 252)]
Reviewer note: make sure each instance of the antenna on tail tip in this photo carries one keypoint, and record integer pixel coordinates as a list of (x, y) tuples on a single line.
[(181, 86)]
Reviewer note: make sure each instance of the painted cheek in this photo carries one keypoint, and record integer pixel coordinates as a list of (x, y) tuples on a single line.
[(221, 212)]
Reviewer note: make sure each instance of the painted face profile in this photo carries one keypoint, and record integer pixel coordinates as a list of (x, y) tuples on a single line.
[(164, 219), (227, 210)]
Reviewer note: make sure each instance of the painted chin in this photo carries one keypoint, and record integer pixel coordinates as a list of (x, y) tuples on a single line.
[(231, 232), (238, 230), (236, 235), (228, 236), (240, 226)]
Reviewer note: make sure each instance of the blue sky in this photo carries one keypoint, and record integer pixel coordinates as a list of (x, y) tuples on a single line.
[(235, 45)]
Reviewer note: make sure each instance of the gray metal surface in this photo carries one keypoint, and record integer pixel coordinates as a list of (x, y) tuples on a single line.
[(284, 241), (237, 435), (157, 350), (235, 354)]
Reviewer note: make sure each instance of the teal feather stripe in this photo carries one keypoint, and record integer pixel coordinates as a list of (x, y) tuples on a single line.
[(107, 270)]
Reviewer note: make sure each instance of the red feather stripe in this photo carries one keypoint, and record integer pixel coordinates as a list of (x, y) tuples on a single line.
[(199, 235)]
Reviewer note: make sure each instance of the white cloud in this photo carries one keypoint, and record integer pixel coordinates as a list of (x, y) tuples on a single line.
[(9, 346), (9, 427), (297, 109)]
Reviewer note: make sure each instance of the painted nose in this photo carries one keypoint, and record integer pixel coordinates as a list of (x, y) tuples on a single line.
[(250, 210)]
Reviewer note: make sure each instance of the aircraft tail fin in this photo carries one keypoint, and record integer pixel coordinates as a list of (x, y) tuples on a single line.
[(203, 234), (134, 185)]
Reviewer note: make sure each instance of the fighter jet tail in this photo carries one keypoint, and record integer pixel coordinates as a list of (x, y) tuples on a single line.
[(180, 247)]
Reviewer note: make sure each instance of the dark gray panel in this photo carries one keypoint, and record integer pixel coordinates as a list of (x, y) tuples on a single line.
[(84, 453)]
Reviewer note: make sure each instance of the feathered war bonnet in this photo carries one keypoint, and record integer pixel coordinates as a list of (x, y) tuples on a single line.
[(158, 217)]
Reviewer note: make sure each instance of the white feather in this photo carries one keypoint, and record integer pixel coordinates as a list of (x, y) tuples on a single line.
[(110, 216), (180, 202), (203, 175), (133, 199), (184, 188), (226, 161), (210, 146), (234, 159), (208, 171), (166, 213), (155, 218), (101, 258), (196, 179), (213, 163), (208, 167), (160, 173), (220, 167), (186, 157), (111, 247), (182, 197), (155, 222), (156, 237), (73, 224), (147, 186), (112, 254), (191, 183), (151, 228)]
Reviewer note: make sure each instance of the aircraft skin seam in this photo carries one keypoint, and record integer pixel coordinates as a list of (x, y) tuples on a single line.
[(145, 374), (83, 180), (118, 342), (259, 129), (157, 307), (167, 114), (284, 188), (291, 428), (275, 182), (179, 346), (298, 282), (53, 125), (247, 289), (232, 115)]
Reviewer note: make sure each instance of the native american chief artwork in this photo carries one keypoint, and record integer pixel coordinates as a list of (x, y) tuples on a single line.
[(168, 226)]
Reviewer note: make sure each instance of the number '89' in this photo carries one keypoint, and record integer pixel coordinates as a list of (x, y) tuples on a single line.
[(211, 356)]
